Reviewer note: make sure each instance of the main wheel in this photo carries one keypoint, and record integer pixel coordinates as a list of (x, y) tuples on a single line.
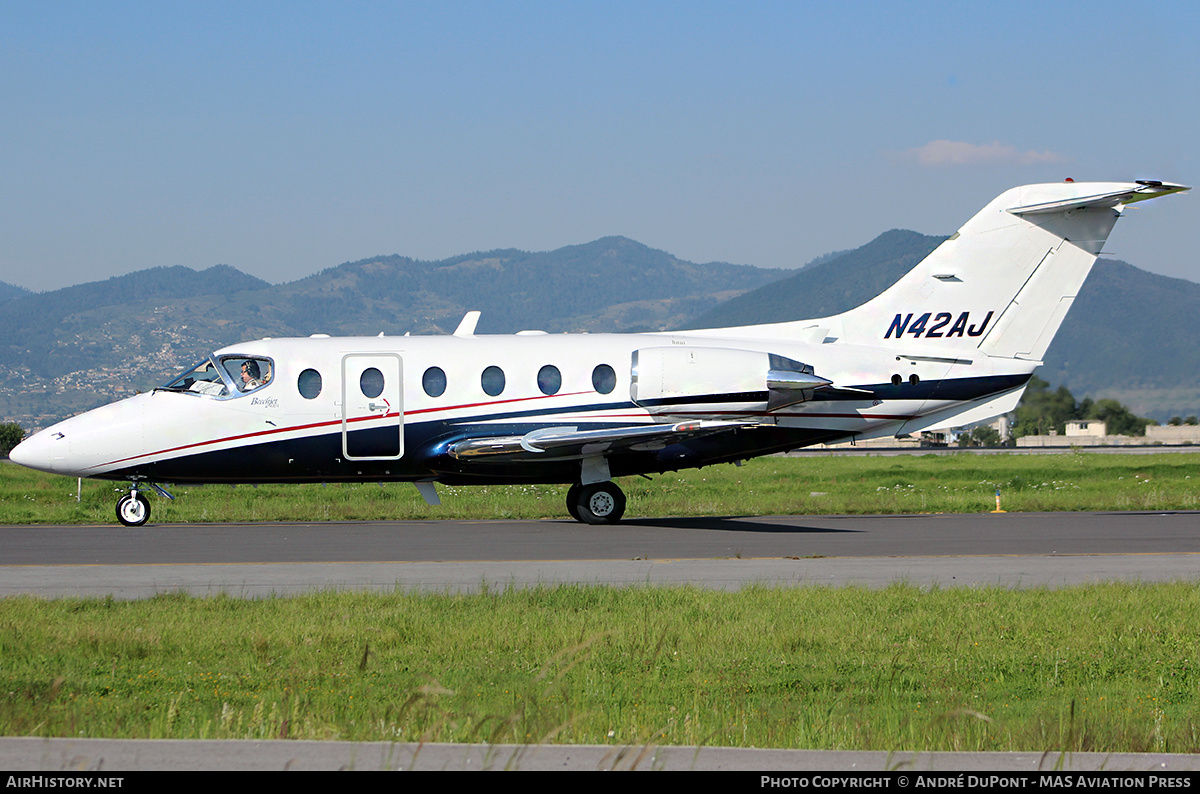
[(573, 501), (133, 510), (600, 503)]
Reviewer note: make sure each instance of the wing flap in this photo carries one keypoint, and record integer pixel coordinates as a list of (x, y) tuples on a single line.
[(571, 442)]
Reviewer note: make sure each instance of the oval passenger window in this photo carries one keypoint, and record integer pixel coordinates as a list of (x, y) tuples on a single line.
[(434, 382), (604, 379), (309, 384), (549, 379), (371, 382), (492, 381)]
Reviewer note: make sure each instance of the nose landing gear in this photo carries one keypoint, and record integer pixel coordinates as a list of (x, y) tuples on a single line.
[(133, 509)]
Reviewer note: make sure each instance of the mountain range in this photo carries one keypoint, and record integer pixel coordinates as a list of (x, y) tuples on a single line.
[(1129, 335)]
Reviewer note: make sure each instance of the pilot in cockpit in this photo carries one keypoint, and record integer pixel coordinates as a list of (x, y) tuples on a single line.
[(251, 375)]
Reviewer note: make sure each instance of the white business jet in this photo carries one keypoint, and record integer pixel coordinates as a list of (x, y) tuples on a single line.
[(953, 342)]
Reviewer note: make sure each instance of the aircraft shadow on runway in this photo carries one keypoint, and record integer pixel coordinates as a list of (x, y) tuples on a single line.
[(734, 524)]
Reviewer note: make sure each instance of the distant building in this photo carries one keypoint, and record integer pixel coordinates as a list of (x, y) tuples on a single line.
[(1094, 433), (1086, 427)]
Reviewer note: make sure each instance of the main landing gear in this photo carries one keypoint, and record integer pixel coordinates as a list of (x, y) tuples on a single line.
[(597, 503)]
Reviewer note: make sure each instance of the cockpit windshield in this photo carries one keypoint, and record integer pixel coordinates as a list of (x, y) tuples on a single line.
[(247, 374), (227, 376)]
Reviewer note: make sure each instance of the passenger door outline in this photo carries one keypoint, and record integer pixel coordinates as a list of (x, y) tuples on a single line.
[(363, 436)]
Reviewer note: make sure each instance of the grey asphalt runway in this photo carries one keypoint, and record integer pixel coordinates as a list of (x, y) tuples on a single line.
[(1012, 549), (254, 560)]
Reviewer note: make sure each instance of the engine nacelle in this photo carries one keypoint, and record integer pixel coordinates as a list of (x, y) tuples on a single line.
[(716, 381)]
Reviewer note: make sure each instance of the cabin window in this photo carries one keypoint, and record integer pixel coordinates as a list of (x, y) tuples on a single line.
[(309, 384), (492, 381), (604, 379), (434, 382), (371, 382), (549, 379)]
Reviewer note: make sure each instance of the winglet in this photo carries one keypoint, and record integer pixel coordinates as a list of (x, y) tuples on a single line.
[(467, 326)]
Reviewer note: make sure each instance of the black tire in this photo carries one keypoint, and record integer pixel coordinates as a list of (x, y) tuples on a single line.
[(133, 511), (573, 501), (600, 503)]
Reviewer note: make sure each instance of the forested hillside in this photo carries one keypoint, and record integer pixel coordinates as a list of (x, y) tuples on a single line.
[(829, 287), (10, 291)]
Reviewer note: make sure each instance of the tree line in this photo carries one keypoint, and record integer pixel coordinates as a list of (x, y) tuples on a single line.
[(1042, 410), (11, 434)]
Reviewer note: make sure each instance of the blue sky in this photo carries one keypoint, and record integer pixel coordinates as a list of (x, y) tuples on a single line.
[(283, 138)]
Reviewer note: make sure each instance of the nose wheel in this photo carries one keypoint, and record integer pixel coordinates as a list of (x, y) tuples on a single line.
[(133, 509), (598, 503)]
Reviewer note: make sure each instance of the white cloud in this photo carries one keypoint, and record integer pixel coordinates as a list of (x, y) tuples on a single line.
[(950, 153)]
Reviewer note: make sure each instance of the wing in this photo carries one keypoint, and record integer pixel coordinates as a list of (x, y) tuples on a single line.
[(570, 442)]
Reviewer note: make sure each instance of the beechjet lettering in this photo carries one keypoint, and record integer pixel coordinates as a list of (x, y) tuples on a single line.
[(970, 323)]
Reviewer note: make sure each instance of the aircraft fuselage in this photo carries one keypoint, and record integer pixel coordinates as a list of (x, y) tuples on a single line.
[(275, 433)]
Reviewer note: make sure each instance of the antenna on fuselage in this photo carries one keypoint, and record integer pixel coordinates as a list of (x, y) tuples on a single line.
[(467, 326)]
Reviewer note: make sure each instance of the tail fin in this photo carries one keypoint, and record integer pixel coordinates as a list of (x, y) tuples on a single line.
[(1003, 282)]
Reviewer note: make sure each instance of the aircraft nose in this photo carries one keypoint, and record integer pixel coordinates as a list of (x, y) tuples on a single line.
[(27, 453), (39, 452)]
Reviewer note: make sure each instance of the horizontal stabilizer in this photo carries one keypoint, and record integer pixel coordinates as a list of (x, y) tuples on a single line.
[(1143, 191), (967, 413)]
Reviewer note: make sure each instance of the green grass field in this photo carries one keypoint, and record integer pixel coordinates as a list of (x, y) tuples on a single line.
[(1106, 668), (765, 486), (1100, 668)]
